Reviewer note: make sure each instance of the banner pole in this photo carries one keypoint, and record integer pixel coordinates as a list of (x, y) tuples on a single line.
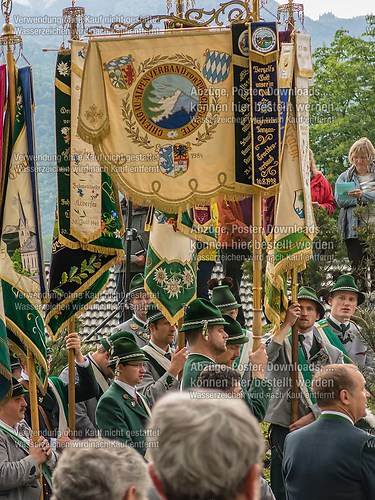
[(72, 384), (33, 398), (294, 371)]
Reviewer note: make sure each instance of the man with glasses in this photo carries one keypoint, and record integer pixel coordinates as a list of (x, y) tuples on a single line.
[(122, 412)]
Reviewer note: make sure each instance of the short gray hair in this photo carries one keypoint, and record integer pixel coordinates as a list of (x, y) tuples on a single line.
[(98, 469), (205, 446)]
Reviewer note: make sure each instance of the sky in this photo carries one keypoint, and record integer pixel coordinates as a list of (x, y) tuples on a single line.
[(340, 8)]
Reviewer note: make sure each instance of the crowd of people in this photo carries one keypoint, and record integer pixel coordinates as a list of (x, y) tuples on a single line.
[(183, 423)]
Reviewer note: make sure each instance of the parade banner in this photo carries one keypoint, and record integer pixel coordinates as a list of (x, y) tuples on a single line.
[(79, 271), (290, 243), (85, 173), (161, 120), (5, 368), (241, 108), (265, 120), (304, 55), (21, 265), (170, 274)]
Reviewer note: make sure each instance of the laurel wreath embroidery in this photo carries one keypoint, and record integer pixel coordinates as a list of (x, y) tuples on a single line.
[(131, 127)]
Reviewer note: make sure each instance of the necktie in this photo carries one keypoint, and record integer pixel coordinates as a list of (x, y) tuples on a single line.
[(168, 355), (344, 328), (301, 338), (136, 397)]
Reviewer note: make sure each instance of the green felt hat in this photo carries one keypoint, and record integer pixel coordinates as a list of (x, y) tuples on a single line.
[(137, 284), (153, 313), (201, 313), (107, 342), (125, 350), (346, 283), (14, 362), (17, 388), (223, 298), (234, 330), (308, 293)]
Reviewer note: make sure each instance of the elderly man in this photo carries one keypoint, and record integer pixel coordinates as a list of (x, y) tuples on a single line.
[(212, 427), (139, 301), (122, 412), (339, 457), (19, 457), (204, 327), (163, 364), (99, 468), (317, 347)]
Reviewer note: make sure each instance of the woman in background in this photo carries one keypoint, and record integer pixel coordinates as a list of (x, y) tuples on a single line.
[(362, 173)]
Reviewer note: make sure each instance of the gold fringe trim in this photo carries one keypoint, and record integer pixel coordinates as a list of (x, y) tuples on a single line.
[(263, 59), (68, 300), (34, 350), (85, 239), (17, 351), (93, 137), (119, 252), (64, 52), (289, 263), (305, 73)]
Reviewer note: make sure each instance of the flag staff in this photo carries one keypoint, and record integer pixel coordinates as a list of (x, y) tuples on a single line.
[(257, 245), (73, 17), (286, 11)]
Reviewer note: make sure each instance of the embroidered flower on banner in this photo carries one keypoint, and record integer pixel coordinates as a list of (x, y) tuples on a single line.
[(173, 287), (187, 278), (160, 276), (63, 68)]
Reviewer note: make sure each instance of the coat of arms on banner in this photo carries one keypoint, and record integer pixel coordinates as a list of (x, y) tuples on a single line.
[(174, 160), (121, 72), (216, 67), (299, 205), (264, 39)]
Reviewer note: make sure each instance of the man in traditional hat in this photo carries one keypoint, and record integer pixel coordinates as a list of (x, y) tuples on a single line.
[(122, 412), (225, 301), (344, 297), (19, 457), (316, 349), (139, 301), (257, 395), (163, 364), (85, 410), (204, 327), (53, 406)]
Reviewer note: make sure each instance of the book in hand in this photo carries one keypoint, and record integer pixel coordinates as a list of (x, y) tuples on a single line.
[(342, 190)]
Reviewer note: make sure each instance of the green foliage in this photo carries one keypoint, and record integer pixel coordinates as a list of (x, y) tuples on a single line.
[(328, 249), (343, 98), (17, 263)]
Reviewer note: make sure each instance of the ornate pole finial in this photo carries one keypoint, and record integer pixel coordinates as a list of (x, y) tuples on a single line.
[(285, 13), (8, 37), (74, 21)]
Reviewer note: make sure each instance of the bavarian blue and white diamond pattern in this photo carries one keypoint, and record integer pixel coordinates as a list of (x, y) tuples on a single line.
[(216, 67)]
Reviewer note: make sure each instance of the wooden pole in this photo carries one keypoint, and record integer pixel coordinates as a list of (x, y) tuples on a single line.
[(12, 87), (72, 384), (33, 398), (257, 271), (257, 246), (295, 388)]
